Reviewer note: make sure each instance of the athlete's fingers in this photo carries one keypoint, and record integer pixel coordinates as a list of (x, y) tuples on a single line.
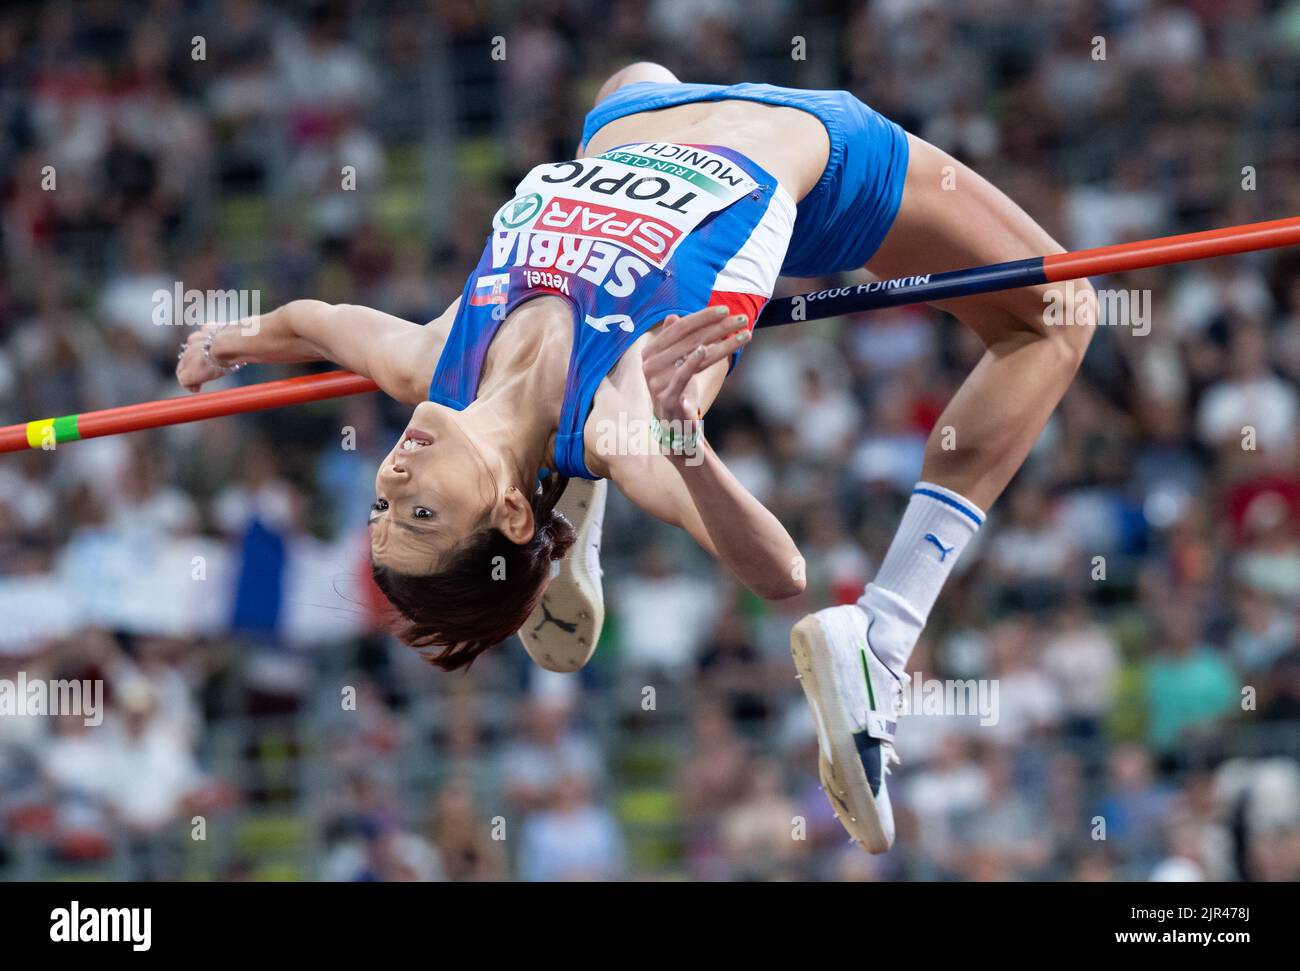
[(686, 341), (677, 329), (699, 318), (702, 358), (665, 368), (669, 372), (679, 377), (666, 381), (707, 328), (719, 351)]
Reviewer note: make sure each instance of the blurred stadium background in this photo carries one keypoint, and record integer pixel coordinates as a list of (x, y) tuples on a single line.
[(209, 574)]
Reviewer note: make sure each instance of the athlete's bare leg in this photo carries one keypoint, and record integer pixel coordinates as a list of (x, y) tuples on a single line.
[(952, 218), (852, 659)]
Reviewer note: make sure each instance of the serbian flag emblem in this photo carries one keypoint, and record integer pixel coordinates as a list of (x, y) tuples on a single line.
[(490, 289)]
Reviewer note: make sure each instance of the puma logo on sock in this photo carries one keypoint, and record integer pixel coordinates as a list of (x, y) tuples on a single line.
[(943, 550)]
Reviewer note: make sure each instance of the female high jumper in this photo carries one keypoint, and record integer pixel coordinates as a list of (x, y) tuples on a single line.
[(611, 299)]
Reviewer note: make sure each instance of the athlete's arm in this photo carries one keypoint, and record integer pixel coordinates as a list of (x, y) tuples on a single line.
[(396, 354), (707, 501), (742, 531), (692, 488)]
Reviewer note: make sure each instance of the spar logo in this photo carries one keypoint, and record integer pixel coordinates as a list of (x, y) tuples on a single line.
[(650, 238), (518, 211)]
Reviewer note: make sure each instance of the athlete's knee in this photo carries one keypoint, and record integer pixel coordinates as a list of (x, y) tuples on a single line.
[(633, 73), (1072, 323), (1062, 315)]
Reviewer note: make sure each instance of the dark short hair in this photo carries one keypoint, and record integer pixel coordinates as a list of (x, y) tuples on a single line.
[(476, 600)]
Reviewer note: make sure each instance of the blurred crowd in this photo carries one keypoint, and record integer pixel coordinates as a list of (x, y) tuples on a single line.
[(1134, 594)]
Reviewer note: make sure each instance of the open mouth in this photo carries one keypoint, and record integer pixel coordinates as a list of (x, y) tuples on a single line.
[(413, 440)]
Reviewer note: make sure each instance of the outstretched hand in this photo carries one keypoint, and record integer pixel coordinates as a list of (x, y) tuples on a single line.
[(193, 369), (684, 347)]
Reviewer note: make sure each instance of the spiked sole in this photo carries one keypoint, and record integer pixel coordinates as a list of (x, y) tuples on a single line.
[(562, 632), (842, 774)]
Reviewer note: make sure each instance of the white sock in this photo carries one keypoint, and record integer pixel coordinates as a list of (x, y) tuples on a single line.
[(937, 525)]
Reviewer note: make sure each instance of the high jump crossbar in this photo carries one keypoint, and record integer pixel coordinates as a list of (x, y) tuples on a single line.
[(876, 295)]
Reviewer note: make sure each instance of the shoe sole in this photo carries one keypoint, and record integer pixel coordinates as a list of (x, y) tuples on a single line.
[(574, 597), (843, 776)]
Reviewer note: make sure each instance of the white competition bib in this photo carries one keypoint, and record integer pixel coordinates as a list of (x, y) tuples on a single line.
[(645, 198)]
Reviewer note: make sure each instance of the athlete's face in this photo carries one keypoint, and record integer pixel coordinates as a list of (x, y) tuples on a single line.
[(432, 491)]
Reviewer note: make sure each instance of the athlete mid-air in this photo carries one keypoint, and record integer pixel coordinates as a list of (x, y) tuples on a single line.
[(609, 303)]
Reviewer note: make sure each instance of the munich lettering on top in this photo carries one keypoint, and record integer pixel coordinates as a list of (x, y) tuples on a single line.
[(702, 168)]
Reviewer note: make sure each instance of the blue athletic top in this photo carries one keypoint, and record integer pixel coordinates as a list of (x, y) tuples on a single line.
[(627, 238), (843, 220)]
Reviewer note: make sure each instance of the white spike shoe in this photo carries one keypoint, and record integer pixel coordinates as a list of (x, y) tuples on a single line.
[(855, 700), (561, 633)]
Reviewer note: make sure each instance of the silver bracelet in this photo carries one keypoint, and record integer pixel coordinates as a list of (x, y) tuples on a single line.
[(207, 352)]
